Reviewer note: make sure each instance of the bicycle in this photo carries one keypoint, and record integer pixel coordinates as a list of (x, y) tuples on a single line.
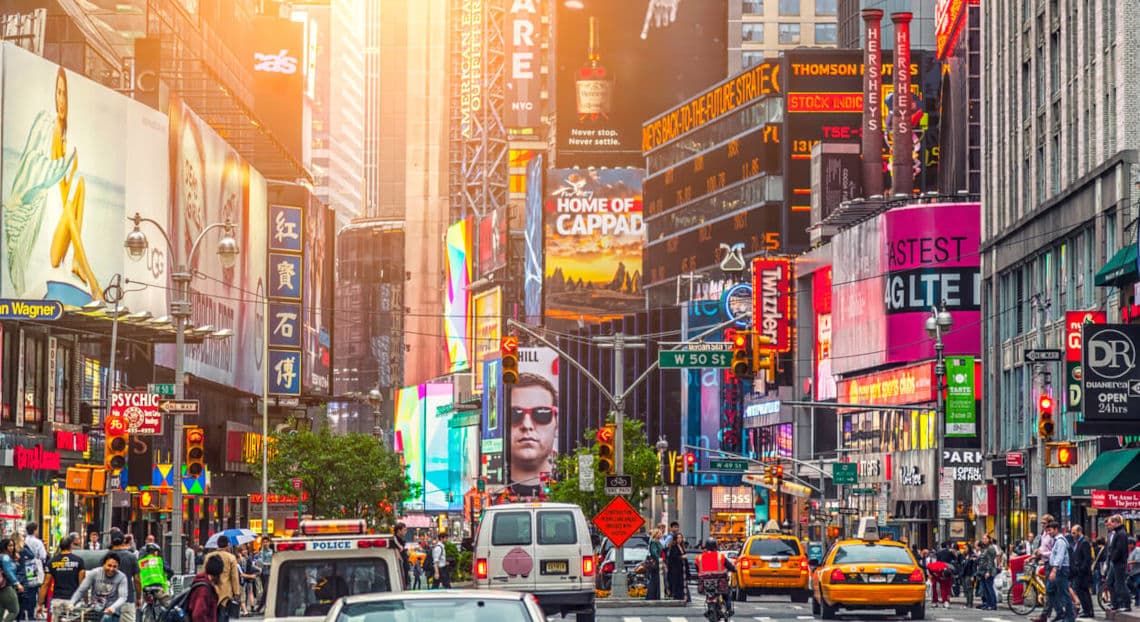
[(80, 613), (1028, 592), (153, 609)]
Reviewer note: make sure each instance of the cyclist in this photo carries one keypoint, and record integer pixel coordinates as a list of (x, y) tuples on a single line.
[(153, 574), (714, 563), (107, 586)]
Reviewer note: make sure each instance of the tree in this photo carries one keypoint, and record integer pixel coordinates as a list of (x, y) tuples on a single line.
[(641, 464), (344, 475)]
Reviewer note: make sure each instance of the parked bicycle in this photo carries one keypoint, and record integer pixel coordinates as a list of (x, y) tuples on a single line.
[(1027, 592)]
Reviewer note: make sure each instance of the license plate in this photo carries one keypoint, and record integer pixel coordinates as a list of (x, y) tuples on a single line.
[(773, 564), (560, 566), (877, 578)]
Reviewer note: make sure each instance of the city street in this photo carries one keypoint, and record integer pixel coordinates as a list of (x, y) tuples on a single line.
[(780, 609)]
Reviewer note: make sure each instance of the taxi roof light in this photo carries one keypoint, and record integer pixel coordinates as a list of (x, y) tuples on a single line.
[(332, 527), (772, 526), (868, 530)]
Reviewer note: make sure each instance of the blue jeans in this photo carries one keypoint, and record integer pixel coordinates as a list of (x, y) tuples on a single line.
[(1058, 591), (989, 595), (109, 617)]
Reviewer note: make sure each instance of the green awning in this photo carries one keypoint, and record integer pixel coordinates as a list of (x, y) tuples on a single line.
[(1112, 470), (1120, 269)]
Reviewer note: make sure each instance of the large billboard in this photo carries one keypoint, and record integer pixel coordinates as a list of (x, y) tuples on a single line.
[(533, 260), (525, 82), (455, 305), (317, 309), (211, 183), (423, 435), (620, 63), (858, 337), (593, 236), (534, 420), (492, 421), (77, 160), (823, 383), (486, 329), (278, 68)]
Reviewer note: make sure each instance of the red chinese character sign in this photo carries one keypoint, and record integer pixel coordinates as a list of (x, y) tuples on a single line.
[(618, 521)]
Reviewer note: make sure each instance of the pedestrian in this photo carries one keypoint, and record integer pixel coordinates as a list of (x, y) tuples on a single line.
[(93, 541), (31, 574), (228, 587), (987, 568), (1057, 587), (1116, 552), (442, 564), (202, 604), (675, 566), (105, 589), (417, 574), (129, 567), (266, 555), (1080, 567), (1043, 552), (653, 564), (33, 542), (398, 542), (968, 575), (942, 575), (65, 572), (10, 586)]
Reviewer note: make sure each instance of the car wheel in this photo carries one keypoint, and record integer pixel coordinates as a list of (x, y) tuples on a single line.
[(826, 611), (586, 616), (800, 596), (918, 612)]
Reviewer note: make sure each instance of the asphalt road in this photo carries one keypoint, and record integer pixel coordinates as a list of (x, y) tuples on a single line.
[(772, 609)]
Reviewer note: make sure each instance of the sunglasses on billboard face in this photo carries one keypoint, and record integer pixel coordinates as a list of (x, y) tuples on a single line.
[(541, 415)]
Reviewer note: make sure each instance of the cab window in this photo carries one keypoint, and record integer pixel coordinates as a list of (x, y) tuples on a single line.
[(774, 546), (556, 528), (868, 553), (511, 529), (435, 610), (309, 587)]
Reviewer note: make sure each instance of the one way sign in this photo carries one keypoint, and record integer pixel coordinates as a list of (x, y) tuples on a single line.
[(1042, 356)]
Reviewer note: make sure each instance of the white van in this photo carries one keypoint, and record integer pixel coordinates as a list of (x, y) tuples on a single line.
[(540, 548), (326, 560)]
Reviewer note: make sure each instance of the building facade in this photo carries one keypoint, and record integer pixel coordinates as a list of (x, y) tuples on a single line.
[(760, 29)]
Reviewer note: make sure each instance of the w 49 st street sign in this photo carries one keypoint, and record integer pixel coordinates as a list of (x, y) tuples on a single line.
[(696, 355)]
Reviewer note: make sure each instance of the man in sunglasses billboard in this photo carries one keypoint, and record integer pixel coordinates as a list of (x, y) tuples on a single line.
[(534, 430)]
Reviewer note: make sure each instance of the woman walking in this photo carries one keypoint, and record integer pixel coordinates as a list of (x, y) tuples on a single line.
[(653, 565), (675, 567)]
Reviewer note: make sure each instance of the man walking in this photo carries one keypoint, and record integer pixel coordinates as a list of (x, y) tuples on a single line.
[(442, 564), (129, 566), (1116, 553), (1057, 589), (228, 586), (1080, 567)]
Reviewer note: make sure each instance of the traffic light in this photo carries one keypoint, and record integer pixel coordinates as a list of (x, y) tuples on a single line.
[(763, 358), (150, 500), (118, 443), (807, 507), (770, 475), (606, 454), (1045, 425), (195, 451), (742, 354), (691, 462), (509, 349), (778, 471)]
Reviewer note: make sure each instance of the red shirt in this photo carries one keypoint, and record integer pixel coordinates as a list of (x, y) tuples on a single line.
[(711, 562)]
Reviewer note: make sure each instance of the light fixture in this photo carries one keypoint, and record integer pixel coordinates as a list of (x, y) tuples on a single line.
[(139, 316), (136, 242), (93, 306), (375, 398), (224, 333), (945, 320), (228, 248), (931, 325)]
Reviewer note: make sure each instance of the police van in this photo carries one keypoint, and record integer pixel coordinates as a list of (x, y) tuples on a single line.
[(325, 560)]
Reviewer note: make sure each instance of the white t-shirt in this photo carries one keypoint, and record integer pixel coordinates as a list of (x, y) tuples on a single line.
[(439, 555)]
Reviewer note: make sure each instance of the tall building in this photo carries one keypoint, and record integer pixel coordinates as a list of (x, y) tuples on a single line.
[(921, 26), (346, 105), (759, 29), (1060, 101)]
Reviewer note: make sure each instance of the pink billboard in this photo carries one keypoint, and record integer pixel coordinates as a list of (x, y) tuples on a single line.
[(932, 259)]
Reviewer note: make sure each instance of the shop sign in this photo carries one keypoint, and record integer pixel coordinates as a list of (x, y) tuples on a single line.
[(762, 414), (275, 498), (35, 459), (985, 499), (963, 465), (912, 475), (141, 410), (961, 414), (1074, 376), (71, 441), (869, 469), (913, 384), (732, 498), (1116, 499), (772, 301), (243, 447)]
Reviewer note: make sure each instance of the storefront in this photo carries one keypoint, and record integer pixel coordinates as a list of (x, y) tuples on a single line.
[(913, 501), (28, 491), (1011, 521), (732, 515)]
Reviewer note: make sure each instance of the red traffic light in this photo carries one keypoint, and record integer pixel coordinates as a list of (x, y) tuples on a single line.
[(690, 458), (1045, 405), (740, 342), (779, 470), (195, 436), (605, 434)]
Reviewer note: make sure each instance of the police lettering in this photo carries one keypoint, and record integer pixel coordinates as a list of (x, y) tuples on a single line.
[(335, 545)]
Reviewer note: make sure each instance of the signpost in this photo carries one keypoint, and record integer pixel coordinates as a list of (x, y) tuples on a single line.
[(1015, 459), (844, 473), (617, 485), (728, 464), (696, 355), (184, 407), (618, 521), (1043, 356)]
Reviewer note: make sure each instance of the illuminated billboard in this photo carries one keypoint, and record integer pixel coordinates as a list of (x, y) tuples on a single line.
[(533, 261), (486, 328), (455, 305), (533, 420), (423, 435), (593, 237), (525, 83), (492, 421), (620, 63)]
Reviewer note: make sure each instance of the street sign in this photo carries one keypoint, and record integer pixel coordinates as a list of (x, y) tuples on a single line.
[(728, 464), (844, 473), (144, 417), (618, 521), (1112, 375), (1015, 459), (617, 485), (586, 473), (1043, 356), (165, 390), (297, 482), (689, 358), (185, 407), (862, 491)]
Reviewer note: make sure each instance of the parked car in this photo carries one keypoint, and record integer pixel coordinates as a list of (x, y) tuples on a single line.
[(634, 553)]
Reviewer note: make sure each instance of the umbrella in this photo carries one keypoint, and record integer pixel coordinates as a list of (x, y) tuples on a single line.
[(235, 536)]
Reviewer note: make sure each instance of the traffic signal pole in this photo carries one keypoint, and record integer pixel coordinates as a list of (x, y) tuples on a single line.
[(1039, 372)]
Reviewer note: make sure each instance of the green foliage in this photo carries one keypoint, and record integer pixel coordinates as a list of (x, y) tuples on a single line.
[(349, 475), (641, 464), (461, 569)]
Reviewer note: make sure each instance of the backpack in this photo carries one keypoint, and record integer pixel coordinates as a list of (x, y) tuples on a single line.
[(178, 610), (429, 559)]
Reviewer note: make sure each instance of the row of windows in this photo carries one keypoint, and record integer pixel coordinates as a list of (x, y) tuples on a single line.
[(825, 34), (790, 8)]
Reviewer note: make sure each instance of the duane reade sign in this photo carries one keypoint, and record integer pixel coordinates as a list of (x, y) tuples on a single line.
[(1112, 380)]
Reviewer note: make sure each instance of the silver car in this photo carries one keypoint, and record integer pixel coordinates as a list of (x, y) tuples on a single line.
[(438, 606)]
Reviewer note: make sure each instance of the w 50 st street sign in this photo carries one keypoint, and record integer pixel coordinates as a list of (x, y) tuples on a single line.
[(696, 355)]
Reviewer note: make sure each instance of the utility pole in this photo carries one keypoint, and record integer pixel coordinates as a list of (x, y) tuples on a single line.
[(1041, 306), (618, 343)]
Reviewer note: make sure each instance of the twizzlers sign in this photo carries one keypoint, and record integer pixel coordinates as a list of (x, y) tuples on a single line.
[(772, 300)]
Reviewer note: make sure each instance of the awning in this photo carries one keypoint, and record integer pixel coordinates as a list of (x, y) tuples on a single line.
[(1112, 470), (1120, 269)]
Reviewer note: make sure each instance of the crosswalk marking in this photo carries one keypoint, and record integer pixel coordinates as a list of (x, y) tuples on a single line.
[(676, 619), (995, 620), (761, 618), (804, 617), (632, 619)]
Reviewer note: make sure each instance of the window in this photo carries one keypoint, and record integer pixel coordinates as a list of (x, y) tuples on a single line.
[(556, 528), (826, 7), (752, 7), (789, 33), (774, 546), (866, 553), (790, 8), (436, 610), (309, 587), (511, 529), (751, 59), (826, 33), (752, 33)]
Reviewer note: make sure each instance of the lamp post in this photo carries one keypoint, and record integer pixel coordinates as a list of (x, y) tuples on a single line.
[(662, 446), (136, 245), (937, 323), (375, 399)]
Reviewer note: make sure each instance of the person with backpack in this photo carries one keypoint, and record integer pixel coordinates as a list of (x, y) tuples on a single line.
[(32, 576), (442, 564), (429, 564), (201, 600)]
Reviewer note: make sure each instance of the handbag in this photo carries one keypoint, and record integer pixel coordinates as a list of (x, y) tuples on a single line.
[(233, 609)]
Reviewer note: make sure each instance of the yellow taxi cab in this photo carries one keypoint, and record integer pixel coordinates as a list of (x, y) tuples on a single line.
[(772, 562), (868, 573)]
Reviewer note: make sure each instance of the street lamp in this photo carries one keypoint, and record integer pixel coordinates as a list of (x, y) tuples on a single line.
[(938, 322), (136, 245), (375, 399)]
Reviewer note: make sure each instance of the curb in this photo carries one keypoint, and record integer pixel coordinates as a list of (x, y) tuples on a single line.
[(634, 603)]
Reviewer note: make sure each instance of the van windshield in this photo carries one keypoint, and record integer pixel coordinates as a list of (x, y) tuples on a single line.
[(308, 587)]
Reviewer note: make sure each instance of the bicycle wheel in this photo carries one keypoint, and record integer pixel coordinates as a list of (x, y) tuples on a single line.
[(148, 614), (1022, 598)]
